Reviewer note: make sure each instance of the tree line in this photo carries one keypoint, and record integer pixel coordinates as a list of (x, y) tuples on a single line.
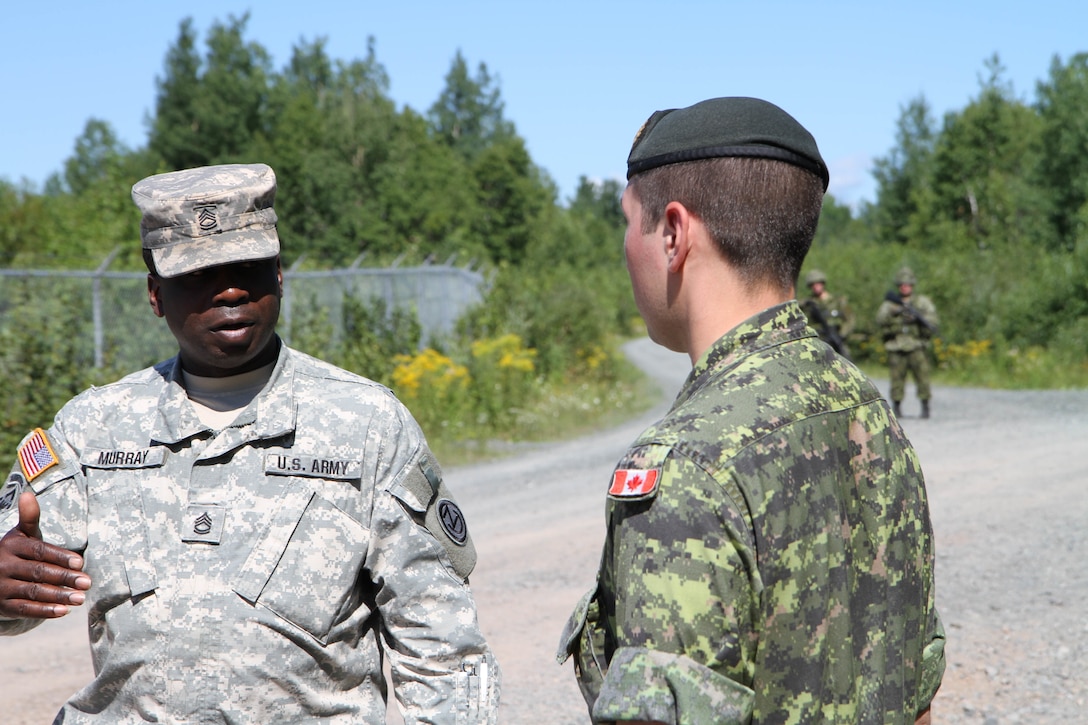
[(989, 206)]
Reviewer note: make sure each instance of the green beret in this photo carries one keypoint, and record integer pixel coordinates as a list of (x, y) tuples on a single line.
[(734, 126)]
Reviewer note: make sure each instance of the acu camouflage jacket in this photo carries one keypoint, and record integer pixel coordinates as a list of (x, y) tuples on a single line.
[(261, 573)]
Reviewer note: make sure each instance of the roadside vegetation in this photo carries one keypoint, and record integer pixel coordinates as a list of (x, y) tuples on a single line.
[(989, 205)]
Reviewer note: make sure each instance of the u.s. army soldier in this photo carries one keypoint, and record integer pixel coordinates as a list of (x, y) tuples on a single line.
[(769, 555), (254, 532)]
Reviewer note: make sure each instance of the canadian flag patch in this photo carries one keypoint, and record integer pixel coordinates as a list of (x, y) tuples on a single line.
[(632, 482)]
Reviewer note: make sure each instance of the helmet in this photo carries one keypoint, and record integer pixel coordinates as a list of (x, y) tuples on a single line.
[(905, 275), (815, 276)]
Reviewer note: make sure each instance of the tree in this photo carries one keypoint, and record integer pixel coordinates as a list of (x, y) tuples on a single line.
[(209, 112), (980, 169), (98, 154), (1062, 172), (904, 171), (599, 200), (468, 114), (509, 196)]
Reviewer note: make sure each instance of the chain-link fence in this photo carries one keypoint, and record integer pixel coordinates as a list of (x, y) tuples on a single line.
[(120, 326)]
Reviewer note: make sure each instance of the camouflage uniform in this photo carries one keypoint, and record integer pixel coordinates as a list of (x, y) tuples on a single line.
[(249, 575), (770, 556), (906, 342), (829, 311)]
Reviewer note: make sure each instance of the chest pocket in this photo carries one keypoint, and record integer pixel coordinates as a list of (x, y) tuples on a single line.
[(117, 507), (306, 562)]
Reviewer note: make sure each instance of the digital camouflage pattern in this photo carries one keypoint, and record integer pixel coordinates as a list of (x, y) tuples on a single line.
[(782, 569), (208, 216), (251, 575), (901, 329), (831, 311)]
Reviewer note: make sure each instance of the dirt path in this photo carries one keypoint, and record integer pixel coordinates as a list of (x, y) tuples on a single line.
[(1006, 473)]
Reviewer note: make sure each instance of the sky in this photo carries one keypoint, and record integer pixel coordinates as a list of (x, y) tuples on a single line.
[(578, 78)]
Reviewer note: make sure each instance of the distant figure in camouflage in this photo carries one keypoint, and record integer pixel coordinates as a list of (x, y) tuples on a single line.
[(769, 554), (254, 531), (830, 315), (907, 323)]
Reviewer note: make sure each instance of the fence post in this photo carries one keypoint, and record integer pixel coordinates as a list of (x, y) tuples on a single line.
[(285, 328), (96, 306)]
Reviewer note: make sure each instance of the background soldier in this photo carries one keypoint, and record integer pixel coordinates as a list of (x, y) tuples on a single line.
[(907, 323), (254, 531), (830, 315)]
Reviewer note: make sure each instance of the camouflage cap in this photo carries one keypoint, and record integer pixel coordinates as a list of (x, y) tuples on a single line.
[(204, 217), (905, 275), (815, 276), (733, 126)]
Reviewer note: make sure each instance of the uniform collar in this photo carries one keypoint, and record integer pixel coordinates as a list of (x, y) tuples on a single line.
[(768, 329), (270, 415)]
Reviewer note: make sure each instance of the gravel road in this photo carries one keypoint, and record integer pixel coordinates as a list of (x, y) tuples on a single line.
[(1005, 473)]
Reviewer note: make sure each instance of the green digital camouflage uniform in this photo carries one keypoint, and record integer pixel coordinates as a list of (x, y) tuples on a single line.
[(833, 312), (906, 342), (781, 568), (249, 575)]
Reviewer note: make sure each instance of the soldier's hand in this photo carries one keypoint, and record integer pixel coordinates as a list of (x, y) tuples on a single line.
[(37, 580)]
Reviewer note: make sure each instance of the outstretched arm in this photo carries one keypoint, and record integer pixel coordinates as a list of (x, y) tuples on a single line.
[(37, 580)]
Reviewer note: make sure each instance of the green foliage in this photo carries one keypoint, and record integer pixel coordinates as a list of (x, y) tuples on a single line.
[(371, 335), (1062, 176), (209, 110), (990, 208), (901, 175), (468, 115), (44, 357)]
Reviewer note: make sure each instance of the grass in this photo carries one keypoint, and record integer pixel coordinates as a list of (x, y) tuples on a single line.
[(561, 410)]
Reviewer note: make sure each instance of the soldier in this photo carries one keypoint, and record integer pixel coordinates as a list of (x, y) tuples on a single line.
[(830, 315), (907, 323), (253, 531), (769, 554)]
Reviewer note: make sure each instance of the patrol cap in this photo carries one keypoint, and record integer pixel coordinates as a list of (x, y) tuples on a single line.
[(207, 216), (731, 126)]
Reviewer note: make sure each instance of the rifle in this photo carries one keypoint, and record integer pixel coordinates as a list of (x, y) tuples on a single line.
[(894, 297), (829, 332)]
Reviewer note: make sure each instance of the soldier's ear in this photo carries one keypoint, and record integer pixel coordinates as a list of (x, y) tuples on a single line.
[(153, 294), (678, 231)]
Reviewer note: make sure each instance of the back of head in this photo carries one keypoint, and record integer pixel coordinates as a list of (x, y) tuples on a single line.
[(747, 169), (206, 217)]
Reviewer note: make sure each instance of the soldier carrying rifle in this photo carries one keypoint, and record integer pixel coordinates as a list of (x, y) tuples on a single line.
[(830, 315), (907, 323)]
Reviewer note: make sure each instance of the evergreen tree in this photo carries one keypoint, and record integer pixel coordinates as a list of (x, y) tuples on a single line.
[(901, 175), (468, 114), (209, 111), (1062, 172)]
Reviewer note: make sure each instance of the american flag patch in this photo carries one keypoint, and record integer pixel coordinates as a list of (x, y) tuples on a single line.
[(35, 455)]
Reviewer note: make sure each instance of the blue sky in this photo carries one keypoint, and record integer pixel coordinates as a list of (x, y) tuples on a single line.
[(578, 77)]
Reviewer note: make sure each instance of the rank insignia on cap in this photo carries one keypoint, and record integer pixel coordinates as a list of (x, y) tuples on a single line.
[(633, 483), (206, 217), (36, 455)]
